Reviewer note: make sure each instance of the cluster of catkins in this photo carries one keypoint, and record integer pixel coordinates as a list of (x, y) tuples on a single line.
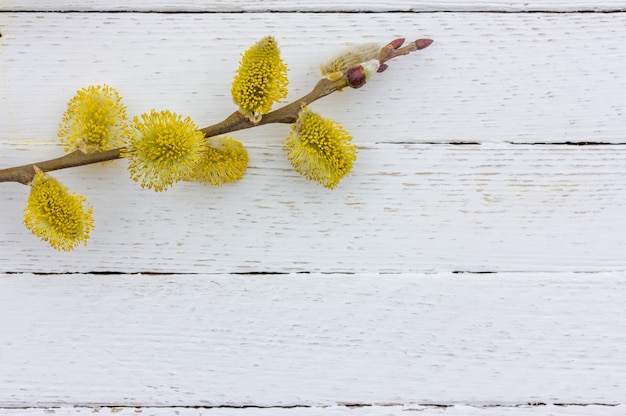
[(163, 147)]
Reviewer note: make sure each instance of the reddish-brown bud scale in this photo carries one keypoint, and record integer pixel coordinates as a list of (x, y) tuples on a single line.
[(356, 76), (382, 67), (395, 44), (423, 43)]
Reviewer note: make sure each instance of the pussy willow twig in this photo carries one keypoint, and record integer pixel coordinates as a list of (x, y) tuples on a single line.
[(287, 114)]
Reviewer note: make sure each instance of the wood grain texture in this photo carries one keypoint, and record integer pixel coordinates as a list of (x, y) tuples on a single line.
[(373, 297), (404, 208), (312, 339), (488, 77), (409, 205), (319, 5), (451, 410)]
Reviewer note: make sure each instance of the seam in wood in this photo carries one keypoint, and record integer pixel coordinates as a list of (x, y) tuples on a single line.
[(475, 143), (345, 11), (407, 406), (268, 273)]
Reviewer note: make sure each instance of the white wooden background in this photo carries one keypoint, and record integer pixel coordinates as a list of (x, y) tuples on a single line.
[(474, 263)]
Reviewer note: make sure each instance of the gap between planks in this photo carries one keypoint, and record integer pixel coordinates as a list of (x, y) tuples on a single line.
[(323, 11), (357, 409)]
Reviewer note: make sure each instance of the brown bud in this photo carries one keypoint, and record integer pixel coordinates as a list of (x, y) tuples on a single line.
[(423, 43), (395, 44), (382, 67), (356, 76)]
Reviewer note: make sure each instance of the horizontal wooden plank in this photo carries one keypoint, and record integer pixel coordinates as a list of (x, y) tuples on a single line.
[(312, 340), (319, 5), (453, 410), (488, 77), (404, 208)]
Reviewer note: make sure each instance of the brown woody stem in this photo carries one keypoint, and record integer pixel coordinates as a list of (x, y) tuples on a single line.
[(24, 174), (287, 114)]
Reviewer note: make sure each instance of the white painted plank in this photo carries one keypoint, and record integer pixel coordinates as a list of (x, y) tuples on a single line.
[(454, 410), (313, 339), (488, 76), (319, 5), (404, 208)]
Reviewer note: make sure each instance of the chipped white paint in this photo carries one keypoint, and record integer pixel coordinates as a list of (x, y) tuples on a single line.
[(404, 208), (392, 327), (316, 6), (312, 339), (383, 410), (488, 76)]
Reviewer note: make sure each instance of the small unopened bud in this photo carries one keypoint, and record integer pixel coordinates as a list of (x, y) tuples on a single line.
[(395, 44), (356, 76), (359, 75), (423, 43), (382, 67)]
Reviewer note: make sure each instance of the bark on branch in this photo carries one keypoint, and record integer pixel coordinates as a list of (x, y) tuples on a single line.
[(287, 114)]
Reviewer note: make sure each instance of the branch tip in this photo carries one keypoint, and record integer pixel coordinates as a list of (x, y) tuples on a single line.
[(423, 43), (288, 114)]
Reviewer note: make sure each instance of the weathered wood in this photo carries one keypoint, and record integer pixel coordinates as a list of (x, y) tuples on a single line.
[(374, 297), (451, 410), (488, 76), (404, 208), (312, 339), (319, 5)]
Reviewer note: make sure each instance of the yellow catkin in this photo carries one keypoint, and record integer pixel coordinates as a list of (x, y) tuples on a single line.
[(163, 148), (261, 79), (95, 120), (225, 160), (320, 149), (56, 216)]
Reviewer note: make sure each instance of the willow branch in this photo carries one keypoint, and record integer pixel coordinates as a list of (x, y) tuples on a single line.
[(287, 114), (24, 174)]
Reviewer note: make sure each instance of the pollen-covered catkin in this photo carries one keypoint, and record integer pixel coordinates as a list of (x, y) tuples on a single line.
[(163, 148), (225, 160), (320, 149), (56, 216), (261, 79), (95, 120)]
